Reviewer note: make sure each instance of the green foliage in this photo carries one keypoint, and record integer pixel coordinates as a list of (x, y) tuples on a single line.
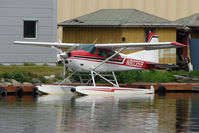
[(43, 80), (61, 64), (45, 64), (59, 77), (29, 74), (158, 77), (28, 64), (15, 75), (7, 80), (19, 76), (6, 75), (129, 76), (193, 73), (153, 76)]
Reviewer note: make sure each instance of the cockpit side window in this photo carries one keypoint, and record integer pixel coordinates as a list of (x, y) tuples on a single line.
[(102, 53), (93, 51), (110, 53)]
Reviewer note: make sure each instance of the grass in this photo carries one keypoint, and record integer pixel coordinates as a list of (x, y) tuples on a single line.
[(38, 70), (153, 76), (28, 73)]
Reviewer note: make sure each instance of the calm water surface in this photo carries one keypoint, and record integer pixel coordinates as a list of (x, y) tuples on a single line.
[(175, 112)]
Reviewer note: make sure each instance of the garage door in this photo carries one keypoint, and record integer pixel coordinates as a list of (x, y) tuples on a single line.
[(194, 47)]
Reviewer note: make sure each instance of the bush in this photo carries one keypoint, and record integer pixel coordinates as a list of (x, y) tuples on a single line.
[(153, 76), (158, 77), (193, 73), (43, 80), (45, 64), (6, 75), (59, 77), (129, 76), (28, 64), (20, 77)]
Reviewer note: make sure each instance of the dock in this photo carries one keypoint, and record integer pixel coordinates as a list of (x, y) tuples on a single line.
[(17, 90), (159, 87)]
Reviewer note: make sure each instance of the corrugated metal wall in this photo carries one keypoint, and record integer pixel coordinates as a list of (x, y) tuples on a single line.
[(12, 15), (165, 35), (91, 35), (169, 9), (114, 35), (102, 35)]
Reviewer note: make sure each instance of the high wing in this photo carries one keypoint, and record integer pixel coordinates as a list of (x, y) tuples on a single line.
[(113, 46), (46, 44), (140, 46)]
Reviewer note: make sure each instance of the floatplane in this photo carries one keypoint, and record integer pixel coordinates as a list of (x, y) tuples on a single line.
[(99, 58)]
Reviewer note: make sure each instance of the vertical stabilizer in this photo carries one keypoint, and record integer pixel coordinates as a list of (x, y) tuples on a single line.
[(153, 37), (148, 55)]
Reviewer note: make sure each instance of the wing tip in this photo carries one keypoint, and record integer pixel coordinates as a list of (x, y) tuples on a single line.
[(178, 44)]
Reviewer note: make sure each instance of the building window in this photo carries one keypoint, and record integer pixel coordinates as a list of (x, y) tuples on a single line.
[(30, 29)]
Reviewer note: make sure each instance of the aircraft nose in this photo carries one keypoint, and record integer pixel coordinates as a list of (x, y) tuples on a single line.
[(66, 61)]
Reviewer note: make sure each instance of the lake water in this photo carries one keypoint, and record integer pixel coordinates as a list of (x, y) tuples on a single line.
[(175, 112)]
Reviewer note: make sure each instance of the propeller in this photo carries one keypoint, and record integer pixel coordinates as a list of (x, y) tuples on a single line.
[(62, 56)]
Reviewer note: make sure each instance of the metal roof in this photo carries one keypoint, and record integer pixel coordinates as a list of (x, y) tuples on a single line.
[(190, 21), (118, 18)]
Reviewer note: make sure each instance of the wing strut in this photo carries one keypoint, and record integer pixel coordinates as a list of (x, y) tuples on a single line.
[(67, 77), (93, 78), (93, 70)]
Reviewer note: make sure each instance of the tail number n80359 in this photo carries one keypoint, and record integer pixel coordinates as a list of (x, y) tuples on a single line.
[(135, 63)]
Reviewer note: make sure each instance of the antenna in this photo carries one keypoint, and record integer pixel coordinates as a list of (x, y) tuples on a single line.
[(95, 41), (110, 41)]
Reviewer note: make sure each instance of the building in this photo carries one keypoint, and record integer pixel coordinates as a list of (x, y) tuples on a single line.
[(188, 34), (168, 9), (27, 20), (120, 26)]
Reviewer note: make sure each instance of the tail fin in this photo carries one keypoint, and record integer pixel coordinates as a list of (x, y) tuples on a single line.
[(151, 55), (152, 37)]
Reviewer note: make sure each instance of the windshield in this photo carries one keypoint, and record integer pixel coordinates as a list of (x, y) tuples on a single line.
[(87, 47)]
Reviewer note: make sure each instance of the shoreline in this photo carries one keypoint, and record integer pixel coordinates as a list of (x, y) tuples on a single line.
[(29, 89)]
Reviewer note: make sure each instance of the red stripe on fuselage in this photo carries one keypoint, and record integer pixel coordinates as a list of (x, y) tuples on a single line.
[(110, 89), (126, 62)]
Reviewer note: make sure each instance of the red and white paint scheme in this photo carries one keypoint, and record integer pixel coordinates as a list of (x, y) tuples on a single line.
[(104, 90), (95, 58)]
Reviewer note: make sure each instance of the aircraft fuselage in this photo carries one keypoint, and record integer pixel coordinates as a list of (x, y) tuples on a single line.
[(85, 61)]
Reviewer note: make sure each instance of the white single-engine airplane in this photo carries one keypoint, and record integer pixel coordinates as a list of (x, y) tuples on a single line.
[(96, 58)]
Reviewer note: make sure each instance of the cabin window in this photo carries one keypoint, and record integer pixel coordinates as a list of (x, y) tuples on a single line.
[(110, 53), (102, 53), (93, 51), (30, 29)]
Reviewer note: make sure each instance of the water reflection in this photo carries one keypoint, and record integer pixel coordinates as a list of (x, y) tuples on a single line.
[(175, 112), (108, 113)]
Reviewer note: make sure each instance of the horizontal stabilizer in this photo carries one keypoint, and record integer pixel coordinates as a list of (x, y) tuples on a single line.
[(160, 66)]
